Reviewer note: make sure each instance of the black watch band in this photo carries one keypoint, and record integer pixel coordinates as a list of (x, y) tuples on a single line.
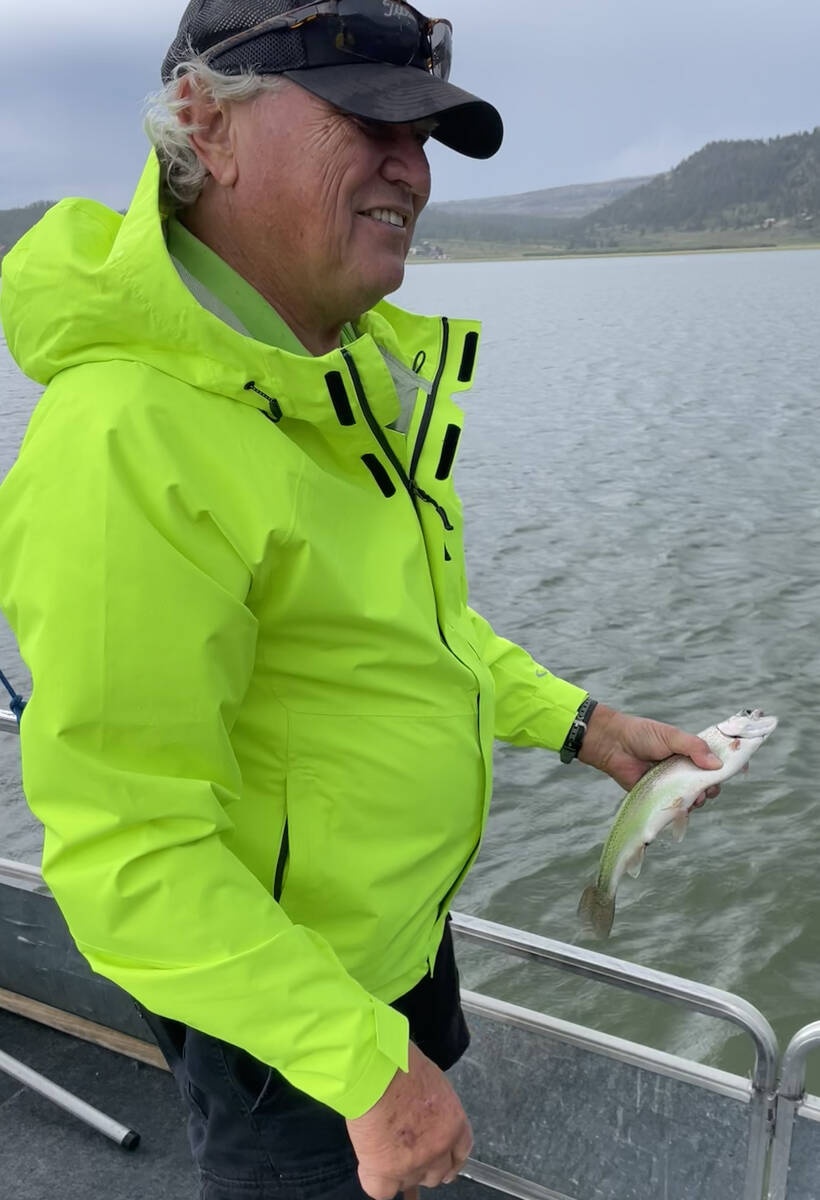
[(577, 729)]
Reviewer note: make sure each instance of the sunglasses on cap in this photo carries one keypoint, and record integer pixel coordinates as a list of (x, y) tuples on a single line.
[(379, 31)]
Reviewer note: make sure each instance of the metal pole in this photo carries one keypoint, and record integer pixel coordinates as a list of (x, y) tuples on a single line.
[(8, 722), (128, 1139)]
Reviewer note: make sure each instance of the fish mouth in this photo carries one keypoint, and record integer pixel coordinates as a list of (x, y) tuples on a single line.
[(755, 724)]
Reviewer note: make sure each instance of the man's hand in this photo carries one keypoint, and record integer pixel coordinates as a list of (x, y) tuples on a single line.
[(418, 1133), (626, 747)]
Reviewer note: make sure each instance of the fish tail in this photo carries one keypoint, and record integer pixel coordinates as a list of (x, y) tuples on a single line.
[(597, 911)]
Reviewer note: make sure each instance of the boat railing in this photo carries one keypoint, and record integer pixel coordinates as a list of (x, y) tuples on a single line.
[(796, 1150), (8, 722), (642, 1123)]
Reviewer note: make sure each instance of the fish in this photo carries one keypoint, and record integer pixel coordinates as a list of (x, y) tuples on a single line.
[(661, 801)]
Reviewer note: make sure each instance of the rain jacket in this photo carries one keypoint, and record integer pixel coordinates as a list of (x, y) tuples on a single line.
[(262, 717)]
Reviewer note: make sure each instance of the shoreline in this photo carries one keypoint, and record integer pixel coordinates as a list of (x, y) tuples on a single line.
[(557, 256)]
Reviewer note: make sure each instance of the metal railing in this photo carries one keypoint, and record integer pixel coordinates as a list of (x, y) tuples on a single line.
[(8, 722), (670, 988), (791, 1095)]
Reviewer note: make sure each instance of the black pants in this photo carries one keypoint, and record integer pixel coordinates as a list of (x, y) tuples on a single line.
[(255, 1137)]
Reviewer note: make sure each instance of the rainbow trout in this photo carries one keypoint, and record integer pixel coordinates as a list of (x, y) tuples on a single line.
[(663, 799)]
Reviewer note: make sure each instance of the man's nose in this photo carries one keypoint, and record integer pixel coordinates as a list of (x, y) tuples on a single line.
[(406, 162)]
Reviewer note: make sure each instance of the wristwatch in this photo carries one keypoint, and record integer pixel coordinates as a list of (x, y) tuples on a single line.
[(577, 729)]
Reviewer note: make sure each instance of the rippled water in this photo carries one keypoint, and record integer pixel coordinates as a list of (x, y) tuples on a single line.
[(642, 499)]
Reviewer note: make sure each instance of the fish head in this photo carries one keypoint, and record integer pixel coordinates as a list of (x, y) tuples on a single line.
[(736, 739), (748, 723)]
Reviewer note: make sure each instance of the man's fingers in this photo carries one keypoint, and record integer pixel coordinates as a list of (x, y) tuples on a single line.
[(459, 1158), (709, 794), (437, 1171), (463, 1146)]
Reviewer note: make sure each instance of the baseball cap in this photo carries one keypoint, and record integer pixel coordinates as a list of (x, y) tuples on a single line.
[(374, 90)]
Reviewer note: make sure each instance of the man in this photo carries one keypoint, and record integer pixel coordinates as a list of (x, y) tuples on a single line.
[(262, 719)]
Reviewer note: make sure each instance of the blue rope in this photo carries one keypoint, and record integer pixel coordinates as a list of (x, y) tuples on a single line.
[(17, 702)]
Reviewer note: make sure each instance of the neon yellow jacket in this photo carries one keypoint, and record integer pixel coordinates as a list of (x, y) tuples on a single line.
[(262, 718)]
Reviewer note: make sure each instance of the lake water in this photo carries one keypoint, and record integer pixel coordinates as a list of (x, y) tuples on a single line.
[(642, 496)]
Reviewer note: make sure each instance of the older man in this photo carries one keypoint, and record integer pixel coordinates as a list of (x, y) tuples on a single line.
[(261, 727)]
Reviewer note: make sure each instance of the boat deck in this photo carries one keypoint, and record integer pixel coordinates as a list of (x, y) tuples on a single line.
[(47, 1153)]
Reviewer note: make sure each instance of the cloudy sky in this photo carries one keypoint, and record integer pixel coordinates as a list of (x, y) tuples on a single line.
[(589, 89)]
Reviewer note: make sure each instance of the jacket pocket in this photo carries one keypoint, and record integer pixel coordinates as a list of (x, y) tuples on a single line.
[(252, 1081), (282, 863)]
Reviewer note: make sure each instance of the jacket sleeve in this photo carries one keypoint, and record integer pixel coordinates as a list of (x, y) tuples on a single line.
[(532, 706), (126, 590)]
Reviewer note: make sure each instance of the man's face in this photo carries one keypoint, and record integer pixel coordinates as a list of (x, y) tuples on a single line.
[(331, 201)]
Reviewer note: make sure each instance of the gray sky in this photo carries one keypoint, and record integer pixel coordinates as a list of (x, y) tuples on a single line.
[(589, 89)]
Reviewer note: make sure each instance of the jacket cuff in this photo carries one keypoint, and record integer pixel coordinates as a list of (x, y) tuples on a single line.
[(561, 701), (390, 1054)]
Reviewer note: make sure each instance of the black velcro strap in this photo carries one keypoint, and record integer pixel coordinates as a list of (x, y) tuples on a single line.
[(379, 473), (465, 373), (338, 394), (448, 451)]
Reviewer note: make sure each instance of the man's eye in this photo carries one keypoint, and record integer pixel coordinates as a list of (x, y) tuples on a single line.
[(371, 128)]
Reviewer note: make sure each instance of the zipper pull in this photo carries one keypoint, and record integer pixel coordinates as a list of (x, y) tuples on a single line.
[(445, 520)]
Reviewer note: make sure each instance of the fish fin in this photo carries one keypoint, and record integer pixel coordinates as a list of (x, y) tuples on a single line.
[(597, 911), (677, 827), (633, 864)]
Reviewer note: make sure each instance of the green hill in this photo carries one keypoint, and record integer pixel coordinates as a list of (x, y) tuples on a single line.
[(575, 200), (14, 222), (726, 186), (730, 194)]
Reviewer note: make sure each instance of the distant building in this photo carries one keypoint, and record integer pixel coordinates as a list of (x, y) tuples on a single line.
[(428, 250)]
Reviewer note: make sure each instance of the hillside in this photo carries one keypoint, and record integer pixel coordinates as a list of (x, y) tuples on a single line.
[(15, 221), (730, 194), (577, 200), (529, 218), (726, 186)]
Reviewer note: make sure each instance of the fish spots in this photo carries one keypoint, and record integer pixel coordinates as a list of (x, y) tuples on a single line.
[(735, 744)]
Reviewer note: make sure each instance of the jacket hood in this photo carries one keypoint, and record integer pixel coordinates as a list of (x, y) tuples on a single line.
[(88, 285)]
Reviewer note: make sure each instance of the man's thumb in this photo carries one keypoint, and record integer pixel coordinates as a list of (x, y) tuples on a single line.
[(702, 756)]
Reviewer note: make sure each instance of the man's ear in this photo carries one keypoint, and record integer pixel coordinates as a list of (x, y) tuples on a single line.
[(210, 132)]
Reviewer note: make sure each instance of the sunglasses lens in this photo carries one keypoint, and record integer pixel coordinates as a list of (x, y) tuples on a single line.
[(441, 47), (379, 30)]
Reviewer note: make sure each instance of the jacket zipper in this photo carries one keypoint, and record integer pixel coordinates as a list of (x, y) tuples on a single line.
[(412, 490), (427, 415), (408, 480), (375, 427), (449, 893)]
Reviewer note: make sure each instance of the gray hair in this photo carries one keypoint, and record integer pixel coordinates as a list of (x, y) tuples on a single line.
[(183, 174)]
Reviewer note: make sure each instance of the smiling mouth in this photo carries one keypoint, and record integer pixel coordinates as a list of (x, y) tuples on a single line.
[(386, 216)]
